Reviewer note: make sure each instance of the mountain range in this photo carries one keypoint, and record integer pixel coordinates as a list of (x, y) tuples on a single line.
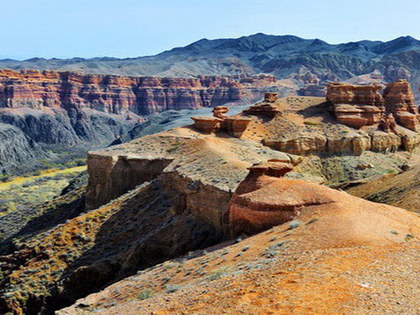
[(300, 62)]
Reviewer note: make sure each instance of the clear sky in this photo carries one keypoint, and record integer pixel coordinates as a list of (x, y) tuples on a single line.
[(130, 28)]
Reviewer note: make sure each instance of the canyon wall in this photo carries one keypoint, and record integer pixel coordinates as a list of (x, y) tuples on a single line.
[(121, 95), (69, 111)]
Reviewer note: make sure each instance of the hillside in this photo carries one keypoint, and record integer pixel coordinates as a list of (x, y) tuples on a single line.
[(184, 190), (302, 63), (402, 190)]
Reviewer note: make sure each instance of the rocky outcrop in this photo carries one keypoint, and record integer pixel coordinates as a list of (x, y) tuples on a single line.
[(362, 105), (17, 153), (265, 199), (112, 176), (358, 116), (344, 93), (398, 93), (262, 109), (233, 125), (399, 100), (207, 124)]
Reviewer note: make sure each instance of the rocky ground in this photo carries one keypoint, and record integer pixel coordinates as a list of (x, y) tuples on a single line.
[(167, 196), (279, 271), (400, 190)]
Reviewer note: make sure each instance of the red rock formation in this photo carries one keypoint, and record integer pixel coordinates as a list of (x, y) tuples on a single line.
[(220, 111), (270, 97), (207, 124), (264, 200), (358, 116), (343, 93), (398, 93), (399, 100), (253, 208), (388, 124), (362, 105), (118, 94), (234, 125), (262, 109)]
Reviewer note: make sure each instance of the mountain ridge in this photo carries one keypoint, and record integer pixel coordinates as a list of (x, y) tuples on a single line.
[(302, 63)]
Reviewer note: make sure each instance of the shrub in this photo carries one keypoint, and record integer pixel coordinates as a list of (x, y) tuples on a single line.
[(170, 288), (294, 225), (145, 294), (218, 273), (409, 237), (312, 123), (246, 248)]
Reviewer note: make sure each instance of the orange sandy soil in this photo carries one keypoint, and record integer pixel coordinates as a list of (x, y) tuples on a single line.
[(280, 271)]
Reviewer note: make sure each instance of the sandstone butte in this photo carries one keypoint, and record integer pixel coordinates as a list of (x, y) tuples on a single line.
[(121, 95), (363, 105), (247, 190)]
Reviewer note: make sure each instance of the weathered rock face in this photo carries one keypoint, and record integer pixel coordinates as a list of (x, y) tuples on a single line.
[(362, 105), (16, 151), (358, 116), (207, 124), (264, 199), (343, 93), (254, 208), (399, 100), (233, 125), (87, 111), (112, 176), (117, 94), (398, 93)]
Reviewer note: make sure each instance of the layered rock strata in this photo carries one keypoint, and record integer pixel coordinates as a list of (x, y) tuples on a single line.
[(118, 94), (70, 111), (266, 199), (364, 105), (233, 125)]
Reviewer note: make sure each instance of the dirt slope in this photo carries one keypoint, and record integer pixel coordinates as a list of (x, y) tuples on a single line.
[(402, 190), (333, 262)]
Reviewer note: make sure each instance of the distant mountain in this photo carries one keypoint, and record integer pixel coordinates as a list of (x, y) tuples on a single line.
[(303, 62)]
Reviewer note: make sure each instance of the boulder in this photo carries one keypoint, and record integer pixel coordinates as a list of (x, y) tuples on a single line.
[(270, 97)]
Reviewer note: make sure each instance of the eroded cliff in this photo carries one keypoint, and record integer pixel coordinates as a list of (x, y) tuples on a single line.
[(69, 111)]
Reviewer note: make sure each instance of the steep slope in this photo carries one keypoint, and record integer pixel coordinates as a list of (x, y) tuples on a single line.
[(324, 261), (402, 190)]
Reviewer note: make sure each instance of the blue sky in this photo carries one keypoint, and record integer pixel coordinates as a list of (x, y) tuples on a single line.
[(130, 28)]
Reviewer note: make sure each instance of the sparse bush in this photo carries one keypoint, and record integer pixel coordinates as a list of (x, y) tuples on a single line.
[(294, 225), (170, 288), (312, 123), (218, 273), (409, 237), (246, 248), (145, 294)]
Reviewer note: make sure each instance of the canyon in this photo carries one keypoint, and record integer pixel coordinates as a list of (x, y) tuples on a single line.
[(199, 193), (64, 111)]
